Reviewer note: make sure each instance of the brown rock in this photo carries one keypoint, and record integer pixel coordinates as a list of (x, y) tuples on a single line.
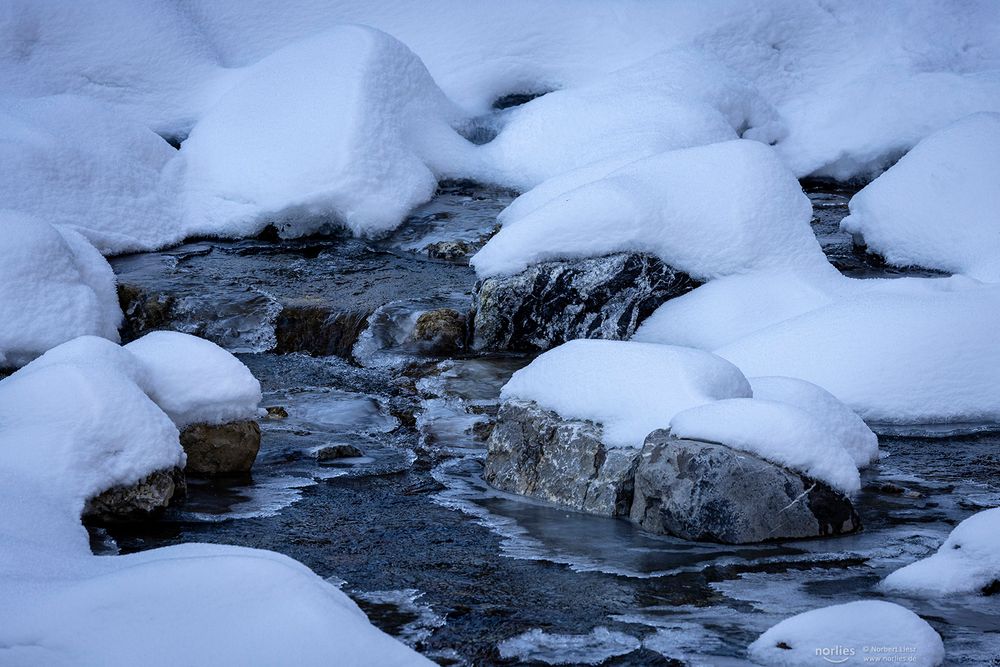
[(136, 502)]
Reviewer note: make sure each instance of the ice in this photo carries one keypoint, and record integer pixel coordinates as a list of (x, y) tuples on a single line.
[(557, 649), (937, 206)]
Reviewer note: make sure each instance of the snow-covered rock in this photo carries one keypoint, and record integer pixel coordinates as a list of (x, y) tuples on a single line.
[(709, 211), (967, 563), (938, 206), (54, 286), (344, 128), (72, 161), (854, 631)]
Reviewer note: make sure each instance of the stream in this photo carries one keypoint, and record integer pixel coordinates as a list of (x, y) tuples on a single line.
[(464, 573)]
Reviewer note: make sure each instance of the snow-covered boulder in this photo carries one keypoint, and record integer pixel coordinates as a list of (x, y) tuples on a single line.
[(854, 631), (967, 563), (938, 206), (343, 128), (71, 161), (54, 286)]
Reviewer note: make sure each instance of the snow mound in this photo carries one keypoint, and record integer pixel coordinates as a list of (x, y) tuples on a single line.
[(838, 421), (777, 432), (967, 563), (631, 389), (855, 631), (54, 286), (714, 210), (194, 380), (346, 127), (937, 207), (71, 161)]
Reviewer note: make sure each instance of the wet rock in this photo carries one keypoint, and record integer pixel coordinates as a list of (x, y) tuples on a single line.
[(334, 452), (136, 502), (449, 251), (535, 452), (317, 329), (439, 332), (702, 491), (553, 302), (224, 449), (276, 412), (144, 311)]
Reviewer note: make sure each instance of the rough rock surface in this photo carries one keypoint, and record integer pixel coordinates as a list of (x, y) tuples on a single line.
[(334, 452), (144, 312), (553, 302), (135, 502), (703, 491), (317, 329), (535, 452), (221, 449), (439, 332)]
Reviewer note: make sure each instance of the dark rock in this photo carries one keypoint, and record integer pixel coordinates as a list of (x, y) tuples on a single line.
[(535, 452), (224, 449), (317, 329), (703, 491), (144, 312), (333, 452), (440, 332), (553, 302), (276, 412), (449, 251), (136, 502)]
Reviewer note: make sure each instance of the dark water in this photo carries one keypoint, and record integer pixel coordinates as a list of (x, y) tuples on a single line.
[(468, 575)]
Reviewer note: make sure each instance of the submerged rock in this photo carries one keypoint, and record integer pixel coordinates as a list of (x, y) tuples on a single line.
[(334, 452), (535, 452), (703, 491), (553, 302), (317, 329), (223, 449), (439, 332), (136, 502)]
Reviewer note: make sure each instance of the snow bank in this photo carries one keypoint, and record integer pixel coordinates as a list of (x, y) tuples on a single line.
[(53, 286), (838, 421), (629, 388), (346, 127), (195, 380), (777, 432), (714, 210), (967, 563), (937, 207), (71, 161), (854, 631)]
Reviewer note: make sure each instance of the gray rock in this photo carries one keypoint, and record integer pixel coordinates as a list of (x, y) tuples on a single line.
[(553, 302), (535, 452), (136, 502), (703, 491), (334, 452), (449, 251), (221, 449), (439, 332)]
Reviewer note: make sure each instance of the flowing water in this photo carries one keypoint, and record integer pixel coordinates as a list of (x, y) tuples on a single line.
[(462, 572)]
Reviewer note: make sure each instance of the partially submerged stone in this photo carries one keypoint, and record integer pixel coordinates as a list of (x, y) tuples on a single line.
[(223, 449), (439, 332), (135, 502), (334, 452)]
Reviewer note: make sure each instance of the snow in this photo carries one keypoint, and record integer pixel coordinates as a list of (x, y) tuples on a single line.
[(194, 380), (54, 286), (937, 207), (344, 127), (967, 562), (72, 161), (629, 388), (711, 211), (777, 432), (856, 631), (838, 421)]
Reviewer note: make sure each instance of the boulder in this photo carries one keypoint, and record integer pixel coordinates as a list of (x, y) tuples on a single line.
[(439, 332), (223, 449), (535, 452), (710, 492), (136, 502), (553, 302)]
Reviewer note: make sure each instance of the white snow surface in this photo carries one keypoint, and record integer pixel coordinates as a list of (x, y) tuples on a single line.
[(54, 286), (938, 206), (777, 432), (967, 562), (851, 632), (194, 380), (714, 210), (629, 388)]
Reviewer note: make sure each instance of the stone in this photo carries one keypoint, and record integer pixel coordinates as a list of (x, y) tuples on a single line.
[(535, 452), (276, 412), (143, 311), (553, 302), (318, 329), (709, 492), (439, 332), (136, 502), (449, 251), (333, 452), (223, 449)]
